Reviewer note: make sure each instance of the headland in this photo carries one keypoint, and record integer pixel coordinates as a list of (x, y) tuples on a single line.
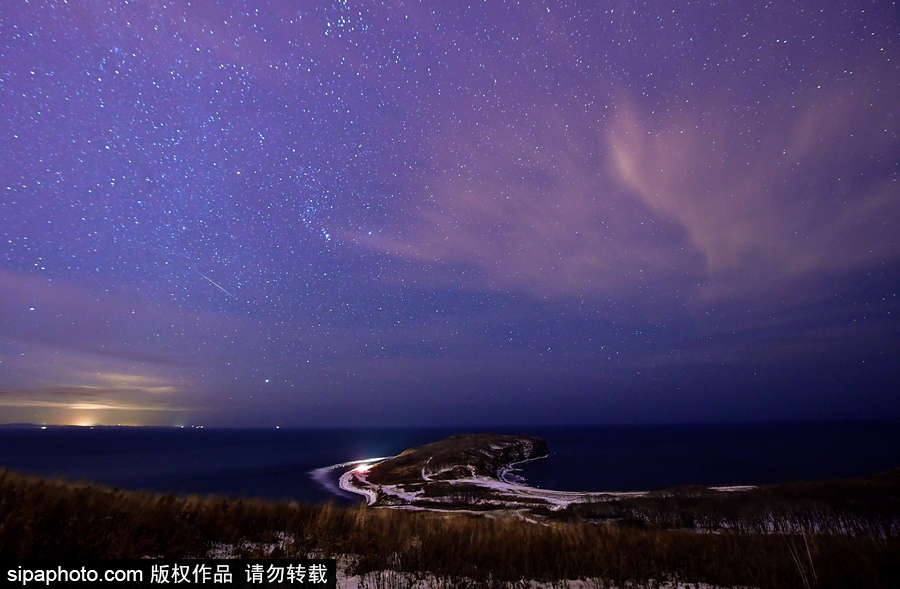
[(469, 472)]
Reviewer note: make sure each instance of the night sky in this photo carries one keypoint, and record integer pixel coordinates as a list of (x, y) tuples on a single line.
[(348, 213)]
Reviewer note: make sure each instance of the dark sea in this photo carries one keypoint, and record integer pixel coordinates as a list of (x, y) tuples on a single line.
[(293, 463)]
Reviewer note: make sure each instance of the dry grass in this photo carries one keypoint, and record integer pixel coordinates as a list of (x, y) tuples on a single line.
[(47, 519), (863, 506)]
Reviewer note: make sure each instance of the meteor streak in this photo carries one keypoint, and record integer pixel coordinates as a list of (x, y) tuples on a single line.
[(216, 284)]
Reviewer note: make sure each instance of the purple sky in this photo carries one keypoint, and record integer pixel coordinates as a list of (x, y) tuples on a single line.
[(414, 213)]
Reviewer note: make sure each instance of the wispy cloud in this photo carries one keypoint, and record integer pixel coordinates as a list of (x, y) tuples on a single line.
[(532, 207), (704, 189), (775, 194), (83, 398), (37, 376)]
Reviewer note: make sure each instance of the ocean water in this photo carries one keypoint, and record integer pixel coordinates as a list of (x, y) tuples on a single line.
[(292, 463)]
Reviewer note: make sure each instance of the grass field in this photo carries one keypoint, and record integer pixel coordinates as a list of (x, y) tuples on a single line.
[(42, 518)]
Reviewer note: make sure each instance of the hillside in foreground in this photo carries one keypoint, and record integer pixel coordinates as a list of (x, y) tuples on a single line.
[(828, 534)]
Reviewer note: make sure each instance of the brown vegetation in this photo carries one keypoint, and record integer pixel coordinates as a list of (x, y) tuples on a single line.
[(863, 506), (45, 519)]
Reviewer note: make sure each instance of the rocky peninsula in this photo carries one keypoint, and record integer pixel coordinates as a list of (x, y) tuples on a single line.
[(462, 472), (471, 472), (459, 457)]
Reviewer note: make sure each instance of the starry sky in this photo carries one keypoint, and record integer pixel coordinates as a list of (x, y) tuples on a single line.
[(362, 213)]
